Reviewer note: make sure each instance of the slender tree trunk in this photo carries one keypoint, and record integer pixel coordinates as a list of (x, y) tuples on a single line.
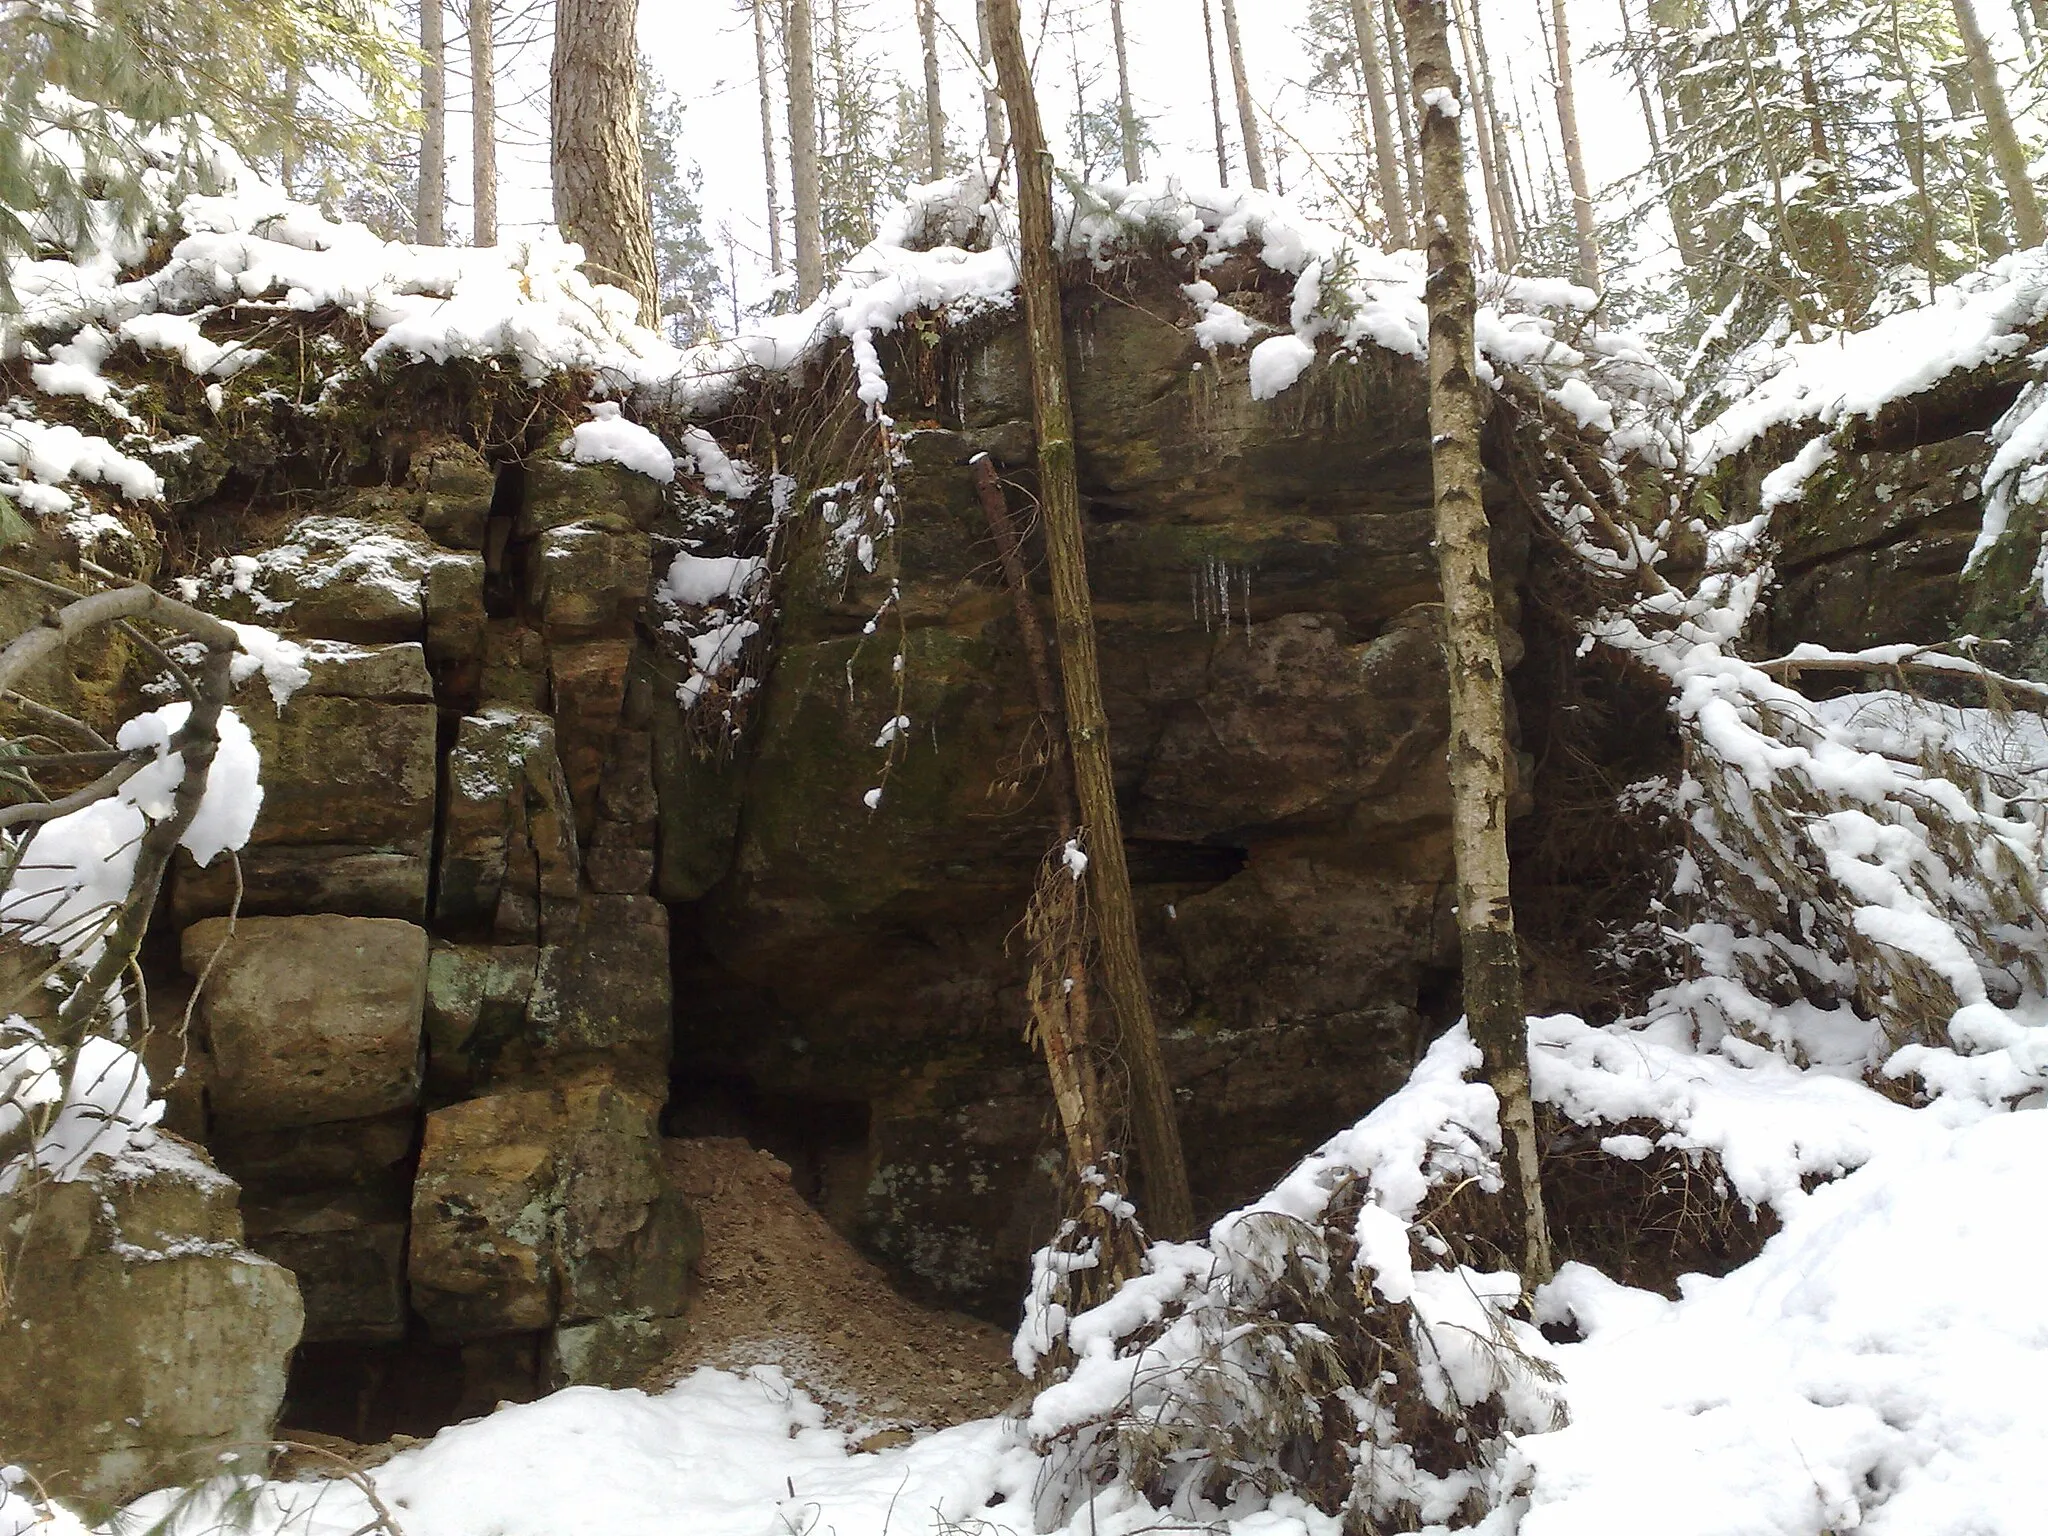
[(1152, 1112), (1795, 301), (1675, 202), (1397, 65), (1215, 98), (1126, 120), (1574, 155), (1842, 278), (1478, 747), (1916, 152), (805, 188), (1503, 152), (1247, 119), (993, 132), (2025, 23), (767, 136), (934, 104), (432, 216), (1386, 168), (1505, 244), (2006, 152), (483, 130), (600, 180)]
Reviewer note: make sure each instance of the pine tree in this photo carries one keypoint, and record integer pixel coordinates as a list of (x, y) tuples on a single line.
[(483, 133), (767, 92), (806, 188), (1247, 117), (1574, 155), (594, 114), (433, 187), (325, 84), (688, 283)]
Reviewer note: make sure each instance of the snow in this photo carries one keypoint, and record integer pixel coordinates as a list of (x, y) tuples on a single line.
[(1277, 362), (701, 579), (608, 438), (1444, 103)]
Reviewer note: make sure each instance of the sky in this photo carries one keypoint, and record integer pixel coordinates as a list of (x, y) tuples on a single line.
[(704, 50)]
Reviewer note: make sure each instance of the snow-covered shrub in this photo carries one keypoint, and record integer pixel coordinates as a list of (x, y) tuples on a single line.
[(1324, 1346)]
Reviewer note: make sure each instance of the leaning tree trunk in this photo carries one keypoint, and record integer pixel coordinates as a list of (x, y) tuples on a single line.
[(1386, 159), (767, 137), (1247, 118), (483, 129), (2006, 152), (934, 105), (594, 115), (1126, 119), (1479, 746), (993, 134), (1574, 154), (1215, 98), (806, 189), (1397, 66), (432, 215), (1109, 879), (1506, 242)]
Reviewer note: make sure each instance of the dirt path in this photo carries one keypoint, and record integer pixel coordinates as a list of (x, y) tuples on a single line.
[(779, 1286)]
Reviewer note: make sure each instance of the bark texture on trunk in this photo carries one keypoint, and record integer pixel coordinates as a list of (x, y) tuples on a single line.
[(1506, 252), (805, 188), (1215, 97), (1386, 163), (1152, 1114), (1478, 746), (432, 214), (994, 134), (934, 104), (1567, 136), (767, 135), (594, 113), (1574, 155), (483, 130), (2006, 152), (1247, 118), (1126, 120)]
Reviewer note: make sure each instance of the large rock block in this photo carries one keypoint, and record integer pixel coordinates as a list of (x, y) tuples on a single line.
[(509, 857), (310, 1019), (546, 1207), (348, 792), (139, 1336)]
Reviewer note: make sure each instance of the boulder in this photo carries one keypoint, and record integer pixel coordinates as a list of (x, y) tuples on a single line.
[(141, 1336), (310, 1019), (544, 1207)]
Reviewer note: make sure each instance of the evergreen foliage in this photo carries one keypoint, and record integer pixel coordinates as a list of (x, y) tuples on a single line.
[(311, 89), (690, 287)]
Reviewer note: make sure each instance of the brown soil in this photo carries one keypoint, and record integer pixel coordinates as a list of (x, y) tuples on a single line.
[(778, 1286)]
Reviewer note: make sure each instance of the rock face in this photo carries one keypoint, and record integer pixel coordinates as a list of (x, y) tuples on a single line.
[(142, 1336), (1263, 583)]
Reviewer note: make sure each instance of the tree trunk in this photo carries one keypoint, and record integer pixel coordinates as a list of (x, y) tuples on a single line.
[(767, 136), (1126, 120), (993, 133), (594, 111), (1478, 746), (1387, 169), (806, 191), (483, 130), (1506, 251), (1842, 278), (1574, 155), (1674, 195), (1215, 98), (1152, 1113), (1397, 65), (934, 103), (1247, 119), (2006, 152), (432, 216)]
